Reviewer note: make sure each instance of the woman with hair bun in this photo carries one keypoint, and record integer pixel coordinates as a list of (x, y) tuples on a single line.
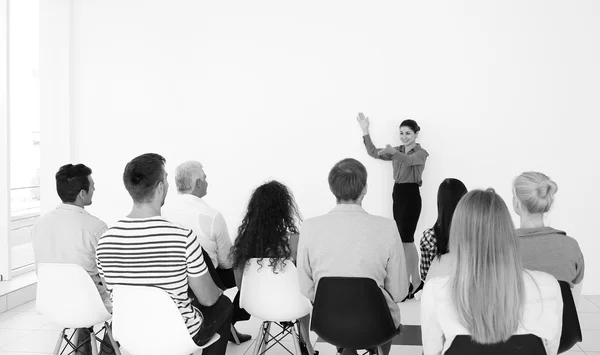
[(544, 248), (408, 161), (488, 294)]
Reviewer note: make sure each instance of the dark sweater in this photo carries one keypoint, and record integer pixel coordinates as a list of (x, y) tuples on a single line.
[(552, 251)]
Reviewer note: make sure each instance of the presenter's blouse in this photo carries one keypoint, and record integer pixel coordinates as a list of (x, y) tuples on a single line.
[(408, 166)]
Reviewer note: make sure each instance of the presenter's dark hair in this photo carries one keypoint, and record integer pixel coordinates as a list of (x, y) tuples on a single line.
[(449, 193), (412, 124), (272, 214), (142, 175), (347, 179), (70, 180)]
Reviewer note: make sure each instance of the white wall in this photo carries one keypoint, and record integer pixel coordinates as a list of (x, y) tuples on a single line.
[(269, 89)]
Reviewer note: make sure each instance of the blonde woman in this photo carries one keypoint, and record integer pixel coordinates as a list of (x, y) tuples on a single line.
[(489, 295), (545, 248)]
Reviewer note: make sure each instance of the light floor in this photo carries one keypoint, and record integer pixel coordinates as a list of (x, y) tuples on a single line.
[(24, 332)]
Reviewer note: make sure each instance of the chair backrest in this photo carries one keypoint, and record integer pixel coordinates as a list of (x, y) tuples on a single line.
[(272, 296), (571, 330), (352, 313), (146, 321), (67, 296), (522, 344)]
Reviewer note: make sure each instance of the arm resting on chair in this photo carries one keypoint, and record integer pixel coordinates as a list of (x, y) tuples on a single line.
[(205, 289)]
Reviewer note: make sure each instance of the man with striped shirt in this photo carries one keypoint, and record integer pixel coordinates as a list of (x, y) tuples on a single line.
[(144, 249)]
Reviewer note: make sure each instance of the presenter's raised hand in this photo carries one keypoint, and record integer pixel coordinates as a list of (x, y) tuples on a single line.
[(364, 122)]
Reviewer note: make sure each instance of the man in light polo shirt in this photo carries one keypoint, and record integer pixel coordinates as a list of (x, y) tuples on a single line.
[(189, 210), (69, 234)]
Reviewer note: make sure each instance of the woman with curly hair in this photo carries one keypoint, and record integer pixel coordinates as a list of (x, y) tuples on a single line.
[(269, 230)]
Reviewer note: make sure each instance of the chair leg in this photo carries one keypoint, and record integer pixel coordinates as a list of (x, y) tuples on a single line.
[(259, 339), (113, 342), (59, 342), (306, 336), (234, 334), (93, 342), (379, 350), (340, 351), (296, 342), (266, 338)]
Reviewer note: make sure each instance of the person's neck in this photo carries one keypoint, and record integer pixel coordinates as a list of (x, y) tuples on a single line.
[(79, 204), (196, 193), (144, 210), (532, 221), (357, 202)]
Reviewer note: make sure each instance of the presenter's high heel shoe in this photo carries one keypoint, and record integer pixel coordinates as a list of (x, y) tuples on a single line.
[(410, 294)]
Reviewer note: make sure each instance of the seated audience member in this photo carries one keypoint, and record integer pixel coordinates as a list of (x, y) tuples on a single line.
[(544, 248), (274, 238), (489, 295), (350, 242), (162, 254), (189, 210), (69, 234), (435, 240)]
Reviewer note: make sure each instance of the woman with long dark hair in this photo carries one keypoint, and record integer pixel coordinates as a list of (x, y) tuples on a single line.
[(408, 161), (435, 240), (269, 231), (488, 295)]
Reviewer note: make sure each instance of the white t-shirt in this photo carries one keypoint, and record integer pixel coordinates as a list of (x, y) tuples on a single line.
[(542, 313)]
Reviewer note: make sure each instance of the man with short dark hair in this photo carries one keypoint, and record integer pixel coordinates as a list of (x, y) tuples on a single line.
[(163, 254), (358, 244), (69, 234)]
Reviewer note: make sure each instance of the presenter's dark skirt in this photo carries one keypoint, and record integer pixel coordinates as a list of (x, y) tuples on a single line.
[(407, 209)]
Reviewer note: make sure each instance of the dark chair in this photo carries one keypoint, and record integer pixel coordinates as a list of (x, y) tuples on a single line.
[(352, 313), (571, 330), (523, 344)]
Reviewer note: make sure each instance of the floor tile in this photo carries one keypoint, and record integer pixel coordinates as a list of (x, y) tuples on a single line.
[(8, 314), (20, 353), (574, 351), (410, 312), (591, 340), (9, 335), (589, 321), (41, 341), (24, 320), (585, 306), (406, 350), (234, 349)]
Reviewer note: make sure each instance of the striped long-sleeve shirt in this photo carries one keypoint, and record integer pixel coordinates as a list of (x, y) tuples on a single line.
[(153, 252)]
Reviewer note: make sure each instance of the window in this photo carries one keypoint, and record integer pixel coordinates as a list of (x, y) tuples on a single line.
[(24, 113)]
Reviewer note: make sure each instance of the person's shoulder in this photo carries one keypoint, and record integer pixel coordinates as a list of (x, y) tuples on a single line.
[(420, 149), (95, 223), (438, 285), (540, 284)]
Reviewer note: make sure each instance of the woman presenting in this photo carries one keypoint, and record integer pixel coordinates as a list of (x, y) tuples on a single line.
[(408, 161)]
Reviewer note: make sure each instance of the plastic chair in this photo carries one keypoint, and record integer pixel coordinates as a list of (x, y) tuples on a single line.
[(352, 313), (522, 344), (67, 296), (571, 329), (274, 298), (147, 322)]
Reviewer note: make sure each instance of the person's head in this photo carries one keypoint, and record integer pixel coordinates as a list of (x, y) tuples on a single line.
[(449, 193), (533, 193), (191, 179), (487, 285), (348, 181), (272, 214), (74, 184), (145, 179), (409, 131)]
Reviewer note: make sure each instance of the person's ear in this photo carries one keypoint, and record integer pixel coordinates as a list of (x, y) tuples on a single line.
[(82, 194), (198, 182)]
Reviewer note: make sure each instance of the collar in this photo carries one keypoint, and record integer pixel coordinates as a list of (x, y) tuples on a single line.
[(191, 198), (415, 149), (70, 207), (350, 207)]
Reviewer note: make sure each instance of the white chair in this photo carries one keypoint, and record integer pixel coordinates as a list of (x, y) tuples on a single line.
[(67, 296), (146, 321), (576, 290), (274, 297)]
